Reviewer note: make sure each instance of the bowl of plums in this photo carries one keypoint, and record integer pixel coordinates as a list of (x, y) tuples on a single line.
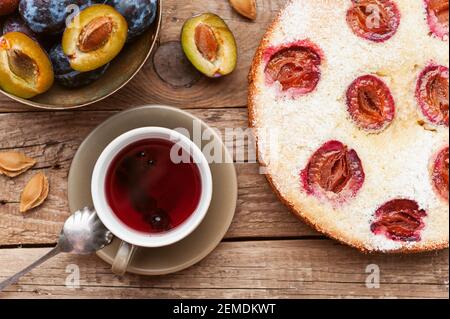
[(63, 54)]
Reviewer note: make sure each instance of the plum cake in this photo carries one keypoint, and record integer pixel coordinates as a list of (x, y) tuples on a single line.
[(349, 103)]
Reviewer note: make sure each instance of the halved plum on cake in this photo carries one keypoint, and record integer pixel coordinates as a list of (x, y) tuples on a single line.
[(370, 103), (432, 94), (437, 16), (399, 220), (440, 172), (374, 20), (358, 104), (295, 66)]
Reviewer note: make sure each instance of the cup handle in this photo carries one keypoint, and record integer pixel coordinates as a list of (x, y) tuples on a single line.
[(123, 258)]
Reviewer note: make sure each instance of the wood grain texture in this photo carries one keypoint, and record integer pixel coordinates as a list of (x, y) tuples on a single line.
[(276, 269), (53, 138), (147, 87)]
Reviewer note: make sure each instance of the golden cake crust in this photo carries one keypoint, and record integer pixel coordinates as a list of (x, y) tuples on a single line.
[(300, 212)]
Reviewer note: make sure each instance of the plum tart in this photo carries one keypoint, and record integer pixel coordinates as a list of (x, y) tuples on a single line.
[(349, 101)]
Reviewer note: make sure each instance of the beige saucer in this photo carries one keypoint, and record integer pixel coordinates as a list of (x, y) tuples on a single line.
[(170, 259)]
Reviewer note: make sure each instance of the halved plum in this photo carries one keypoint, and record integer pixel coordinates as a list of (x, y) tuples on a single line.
[(334, 170), (374, 20), (95, 37), (437, 16), (399, 220), (432, 94), (370, 103), (210, 45), (295, 66), (440, 172), (25, 68)]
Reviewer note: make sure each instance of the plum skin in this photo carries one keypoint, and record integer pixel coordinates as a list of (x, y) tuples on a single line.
[(68, 77), (16, 24), (140, 14), (48, 16)]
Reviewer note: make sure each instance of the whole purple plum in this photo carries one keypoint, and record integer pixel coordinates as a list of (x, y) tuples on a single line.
[(140, 14), (68, 77), (16, 24), (49, 16)]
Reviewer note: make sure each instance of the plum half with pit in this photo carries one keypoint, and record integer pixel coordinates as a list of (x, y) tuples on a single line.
[(210, 45), (140, 14), (49, 16), (399, 220), (68, 77), (25, 68), (94, 38), (8, 6)]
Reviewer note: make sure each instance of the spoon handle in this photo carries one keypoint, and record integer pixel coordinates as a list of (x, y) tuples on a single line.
[(14, 279)]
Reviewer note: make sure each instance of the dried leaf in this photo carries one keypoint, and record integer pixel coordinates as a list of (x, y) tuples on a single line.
[(247, 8), (13, 164), (35, 193)]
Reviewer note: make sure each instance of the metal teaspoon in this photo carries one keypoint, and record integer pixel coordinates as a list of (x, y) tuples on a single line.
[(83, 234)]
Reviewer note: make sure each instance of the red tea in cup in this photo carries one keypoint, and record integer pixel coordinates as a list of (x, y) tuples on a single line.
[(148, 191)]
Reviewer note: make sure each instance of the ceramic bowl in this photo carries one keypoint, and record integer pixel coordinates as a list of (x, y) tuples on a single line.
[(122, 69)]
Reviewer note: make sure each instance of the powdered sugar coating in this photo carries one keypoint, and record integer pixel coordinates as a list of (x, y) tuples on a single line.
[(396, 161)]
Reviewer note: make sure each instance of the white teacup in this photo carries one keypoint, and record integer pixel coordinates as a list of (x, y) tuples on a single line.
[(130, 237)]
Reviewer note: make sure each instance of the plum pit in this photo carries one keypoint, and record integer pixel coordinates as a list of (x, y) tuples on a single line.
[(206, 42)]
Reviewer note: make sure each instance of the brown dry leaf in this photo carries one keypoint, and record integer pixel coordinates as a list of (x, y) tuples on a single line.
[(35, 193), (247, 8), (13, 164)]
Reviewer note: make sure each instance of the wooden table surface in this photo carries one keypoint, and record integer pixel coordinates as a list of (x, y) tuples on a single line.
[(266, 253)]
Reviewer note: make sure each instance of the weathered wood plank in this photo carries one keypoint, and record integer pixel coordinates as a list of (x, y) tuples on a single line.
[(53, 138), (276, 269), (259, 213), (148, 87)]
